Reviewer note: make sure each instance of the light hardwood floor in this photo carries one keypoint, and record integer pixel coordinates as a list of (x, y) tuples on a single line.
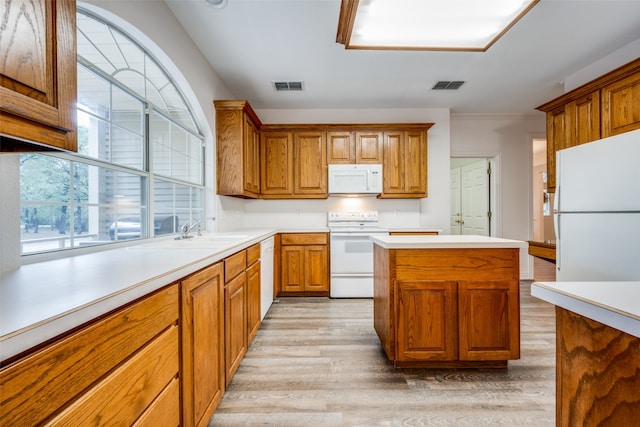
[(318, 362)]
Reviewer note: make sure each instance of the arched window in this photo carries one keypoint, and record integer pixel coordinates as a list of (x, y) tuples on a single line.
[(139, 170)]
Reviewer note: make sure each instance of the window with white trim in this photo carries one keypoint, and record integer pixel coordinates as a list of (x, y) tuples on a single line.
[(139, 170)]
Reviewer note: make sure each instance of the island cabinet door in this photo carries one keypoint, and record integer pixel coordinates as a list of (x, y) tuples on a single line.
[(427, 321), (488, 313)]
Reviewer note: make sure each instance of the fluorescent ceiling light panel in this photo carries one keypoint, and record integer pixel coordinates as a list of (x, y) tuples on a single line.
[(427, 24)]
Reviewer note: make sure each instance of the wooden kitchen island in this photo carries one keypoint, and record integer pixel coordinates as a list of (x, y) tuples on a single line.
[(447, 301)]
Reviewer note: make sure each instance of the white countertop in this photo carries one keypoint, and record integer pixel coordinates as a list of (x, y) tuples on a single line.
[(42, 300), (445, 242), (615, 304)]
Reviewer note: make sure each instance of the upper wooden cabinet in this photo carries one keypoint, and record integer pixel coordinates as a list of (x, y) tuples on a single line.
[(237, 149), (38, 75), (341, 148), (606, 106), (310, 165), (290, 161), (621, 105), (294, 164), (404, 166), (347, 147)]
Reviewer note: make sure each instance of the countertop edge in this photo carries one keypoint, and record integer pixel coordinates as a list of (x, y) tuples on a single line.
[(16, 341), (607, 315)]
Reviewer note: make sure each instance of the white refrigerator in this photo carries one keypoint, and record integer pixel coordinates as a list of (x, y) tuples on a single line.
[(597, 211)]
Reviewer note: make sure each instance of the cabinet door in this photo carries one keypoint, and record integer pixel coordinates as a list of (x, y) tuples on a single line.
[(340, 148), (369, 147), (38, 73), (202, 317), (427, 320), (277, 163), (393, 165), (489, 313), (235, 325), (621, 106), (251, 154), (415, 163), (253, 301), (556, 135), (583, 120), (293, 268), (310, 177), (316, 272)]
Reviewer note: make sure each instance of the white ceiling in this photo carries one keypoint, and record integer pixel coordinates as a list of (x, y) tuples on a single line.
[(251, 43)]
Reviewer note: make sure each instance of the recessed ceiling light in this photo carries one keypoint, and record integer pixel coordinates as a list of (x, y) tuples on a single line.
[(470, 25), (219, 4)]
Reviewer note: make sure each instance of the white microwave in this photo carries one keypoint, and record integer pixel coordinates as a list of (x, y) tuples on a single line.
[(355, 179)]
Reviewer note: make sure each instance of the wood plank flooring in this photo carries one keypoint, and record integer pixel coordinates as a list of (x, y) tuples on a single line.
[(318, 362)]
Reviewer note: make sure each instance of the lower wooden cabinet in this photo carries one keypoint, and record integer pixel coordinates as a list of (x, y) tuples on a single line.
[(447, 307), (304, 259), (202, 316), (253, 301), (597, 373), (235, 324), (112, 371), (449, 320)]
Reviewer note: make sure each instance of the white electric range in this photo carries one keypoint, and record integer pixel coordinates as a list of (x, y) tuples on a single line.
[(351, 268)]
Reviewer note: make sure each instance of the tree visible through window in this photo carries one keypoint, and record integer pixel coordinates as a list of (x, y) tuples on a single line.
[(139, 168)]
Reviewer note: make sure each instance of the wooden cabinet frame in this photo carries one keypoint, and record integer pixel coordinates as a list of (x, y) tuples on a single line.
[(606, 106), (38, 77)]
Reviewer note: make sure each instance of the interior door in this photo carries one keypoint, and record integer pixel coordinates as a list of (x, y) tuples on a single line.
[(475, 198), (456, 195)]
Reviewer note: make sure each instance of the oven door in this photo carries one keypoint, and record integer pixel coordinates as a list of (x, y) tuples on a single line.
[(351, 265), (351, 253)]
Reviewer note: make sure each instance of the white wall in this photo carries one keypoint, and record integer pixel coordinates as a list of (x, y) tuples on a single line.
[(509, 138)]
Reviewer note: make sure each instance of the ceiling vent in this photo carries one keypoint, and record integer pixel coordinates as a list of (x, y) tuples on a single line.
[(447, 85), (287, 86)]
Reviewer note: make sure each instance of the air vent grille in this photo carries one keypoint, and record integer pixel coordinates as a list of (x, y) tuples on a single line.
[(447, 85), (287, 86)]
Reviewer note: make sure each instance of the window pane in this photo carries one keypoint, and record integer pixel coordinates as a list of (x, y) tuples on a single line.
[(69, 202), (93, 93), (180, 201), (127, 111), (177, 153), (44, 179)]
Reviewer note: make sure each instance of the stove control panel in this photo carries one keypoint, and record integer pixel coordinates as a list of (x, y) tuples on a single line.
[(368, 216)]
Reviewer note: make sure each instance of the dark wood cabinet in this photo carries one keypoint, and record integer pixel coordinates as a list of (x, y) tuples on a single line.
[(38, 77)]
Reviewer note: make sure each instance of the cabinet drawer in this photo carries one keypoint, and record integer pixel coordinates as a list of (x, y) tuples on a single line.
[(304, 239), (35, 387), (234, 265), (163, 411), (253, 254), (124, 395)]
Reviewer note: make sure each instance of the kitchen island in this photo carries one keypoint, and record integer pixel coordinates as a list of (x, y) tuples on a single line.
[(597, 351), (447, 301)]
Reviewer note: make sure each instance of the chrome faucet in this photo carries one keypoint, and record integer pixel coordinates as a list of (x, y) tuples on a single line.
[(186, 229)]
